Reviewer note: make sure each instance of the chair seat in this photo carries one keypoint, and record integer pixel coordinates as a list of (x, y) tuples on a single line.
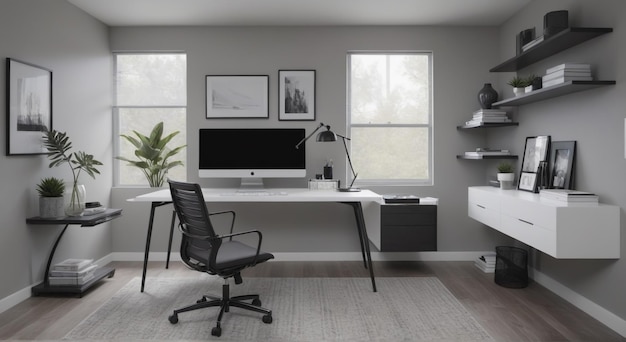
[(232, 254)]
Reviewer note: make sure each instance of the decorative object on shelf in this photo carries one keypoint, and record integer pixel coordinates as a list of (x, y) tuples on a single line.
[(523, 38), (518, 83), (532, 43), (59, 146), (562, 159), (153, 154), (51, 197), (487, 96), (29, 107), (329, 135), (296, 95), (506, 176), (542, 176), (535, 151), (555, 22), (232, 96)]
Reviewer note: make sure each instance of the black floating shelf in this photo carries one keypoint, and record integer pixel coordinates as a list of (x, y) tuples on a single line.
[(486, 157), (552, 91), (563, 40), (488, 125)]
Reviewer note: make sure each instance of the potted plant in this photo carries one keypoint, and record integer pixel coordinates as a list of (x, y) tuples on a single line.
[(518, 84), (506, 176), (51, 197), (153, 154), (59, 146)]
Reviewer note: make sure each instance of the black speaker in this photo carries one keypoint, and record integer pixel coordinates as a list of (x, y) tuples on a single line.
[(524, 38), (554, 22)]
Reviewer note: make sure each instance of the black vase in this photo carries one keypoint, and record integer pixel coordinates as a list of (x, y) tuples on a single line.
[(487, 96)]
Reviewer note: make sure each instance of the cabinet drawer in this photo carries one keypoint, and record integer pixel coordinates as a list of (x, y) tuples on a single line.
[(483, 214), (483, 199), (531, 234), (532, 212), (408, 238), (418, 215)]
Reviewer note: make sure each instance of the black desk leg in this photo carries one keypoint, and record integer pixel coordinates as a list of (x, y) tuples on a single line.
[(46, 277), (169, 244), (148, 238), (364, 239)]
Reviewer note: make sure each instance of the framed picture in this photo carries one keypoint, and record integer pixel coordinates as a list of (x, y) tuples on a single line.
[(29, 107), (562, 155), (233, 96), (296, 95), (535, 152)]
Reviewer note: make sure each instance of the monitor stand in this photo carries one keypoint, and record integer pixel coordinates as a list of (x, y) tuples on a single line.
[(251, 185)]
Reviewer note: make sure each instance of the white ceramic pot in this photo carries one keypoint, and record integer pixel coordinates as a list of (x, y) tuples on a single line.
[(519, 91), (51, 207), (506, 180)]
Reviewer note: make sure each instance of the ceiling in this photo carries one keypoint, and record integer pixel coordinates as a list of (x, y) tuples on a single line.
[(301, 12)]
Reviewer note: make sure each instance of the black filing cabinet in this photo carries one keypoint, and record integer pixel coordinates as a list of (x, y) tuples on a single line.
[(408, 227)]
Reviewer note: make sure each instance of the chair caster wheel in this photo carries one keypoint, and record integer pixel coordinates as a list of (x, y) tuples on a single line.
[(267, 319), (256, 302), (173, 319), (217, 331)]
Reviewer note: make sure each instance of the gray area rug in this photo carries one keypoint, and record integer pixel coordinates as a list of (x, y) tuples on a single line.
[(304, 309)]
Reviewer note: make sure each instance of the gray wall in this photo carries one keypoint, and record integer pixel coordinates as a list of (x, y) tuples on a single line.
[(462, 57), (595, 119), (57, 36)]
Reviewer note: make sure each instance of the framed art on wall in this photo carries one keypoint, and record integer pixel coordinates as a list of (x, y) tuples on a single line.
[(562, 158), (296, 95), (235, 96), (29, 107), (535, 152)]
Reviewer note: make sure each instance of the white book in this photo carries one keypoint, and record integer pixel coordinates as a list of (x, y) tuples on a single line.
[(567, 72), (490, 111), (72, 265), (532, 43), (83, 272), (572, 76), (479, 154), (484, 268), (565, 79), (572, 66), (70, 280)]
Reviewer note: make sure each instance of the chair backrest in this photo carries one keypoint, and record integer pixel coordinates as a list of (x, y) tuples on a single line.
[(199, 242)]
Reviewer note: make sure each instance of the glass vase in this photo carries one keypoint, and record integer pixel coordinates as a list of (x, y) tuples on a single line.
[(75, 200)]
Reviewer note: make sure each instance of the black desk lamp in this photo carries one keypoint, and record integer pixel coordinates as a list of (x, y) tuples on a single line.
[(329, 135)]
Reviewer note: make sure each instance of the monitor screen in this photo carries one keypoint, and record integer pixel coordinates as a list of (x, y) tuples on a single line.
[(251, 153)]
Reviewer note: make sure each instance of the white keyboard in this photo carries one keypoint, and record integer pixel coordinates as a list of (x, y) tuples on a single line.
[(254, 193)]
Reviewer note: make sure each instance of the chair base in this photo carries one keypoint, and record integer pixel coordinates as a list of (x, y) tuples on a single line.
[(225, 302)]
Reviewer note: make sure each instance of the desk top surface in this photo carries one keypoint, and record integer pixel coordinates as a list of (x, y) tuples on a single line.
[(85, 221), (275, 195)]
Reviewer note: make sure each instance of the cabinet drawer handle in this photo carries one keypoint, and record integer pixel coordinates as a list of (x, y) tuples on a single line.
[(480, 206), (530, 223)]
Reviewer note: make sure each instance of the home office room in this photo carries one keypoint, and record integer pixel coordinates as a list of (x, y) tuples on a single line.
[(359, 148)]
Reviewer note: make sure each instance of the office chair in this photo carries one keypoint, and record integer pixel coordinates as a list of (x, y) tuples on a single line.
[(205, 251)]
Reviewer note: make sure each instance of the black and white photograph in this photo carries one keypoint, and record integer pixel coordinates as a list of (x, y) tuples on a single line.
[(234, 96), (535, 151), (562, 155), (29, 107), (296, 94)]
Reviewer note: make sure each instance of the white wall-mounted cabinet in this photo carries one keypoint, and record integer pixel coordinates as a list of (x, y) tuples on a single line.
[(561, 230)]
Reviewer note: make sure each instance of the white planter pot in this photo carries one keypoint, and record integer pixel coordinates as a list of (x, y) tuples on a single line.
[(519, 91), (506, 180), (51, 207)]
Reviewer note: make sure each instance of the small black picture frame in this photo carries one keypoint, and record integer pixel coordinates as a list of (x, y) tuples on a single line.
[(29, 107), (562, 159), (535, 151)]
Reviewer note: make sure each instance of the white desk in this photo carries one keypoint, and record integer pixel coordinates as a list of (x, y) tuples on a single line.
[(354, 199)]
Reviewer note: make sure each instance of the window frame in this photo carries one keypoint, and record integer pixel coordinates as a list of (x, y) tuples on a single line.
[(429, 125), (116, 118)]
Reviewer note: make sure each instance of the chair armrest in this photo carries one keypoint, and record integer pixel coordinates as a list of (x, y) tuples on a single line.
[(232, 222)]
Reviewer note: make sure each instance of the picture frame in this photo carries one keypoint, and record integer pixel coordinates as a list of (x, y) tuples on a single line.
[(29, 107), (535, 151), (562, 159), (296, 95), (237, 96)]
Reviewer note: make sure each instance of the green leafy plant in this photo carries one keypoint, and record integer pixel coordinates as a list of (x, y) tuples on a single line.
[(505, 167), (51, 187), (153, 154), (59, 146), (520, 82)]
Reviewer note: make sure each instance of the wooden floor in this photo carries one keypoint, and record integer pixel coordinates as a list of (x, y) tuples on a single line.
[(530, 314)]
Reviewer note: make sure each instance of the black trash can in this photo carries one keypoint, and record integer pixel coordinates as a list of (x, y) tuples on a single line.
[(511, 267)]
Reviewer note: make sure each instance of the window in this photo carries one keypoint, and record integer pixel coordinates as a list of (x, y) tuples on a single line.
[(390, 117), (150, 88)]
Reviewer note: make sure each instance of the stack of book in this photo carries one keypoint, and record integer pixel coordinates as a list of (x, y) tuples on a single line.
[(488, 116), (72, 272), (567, 72), (486, 263), (568, 196), (483, 151)]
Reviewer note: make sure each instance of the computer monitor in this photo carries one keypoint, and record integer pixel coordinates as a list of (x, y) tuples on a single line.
[(251, 154)]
